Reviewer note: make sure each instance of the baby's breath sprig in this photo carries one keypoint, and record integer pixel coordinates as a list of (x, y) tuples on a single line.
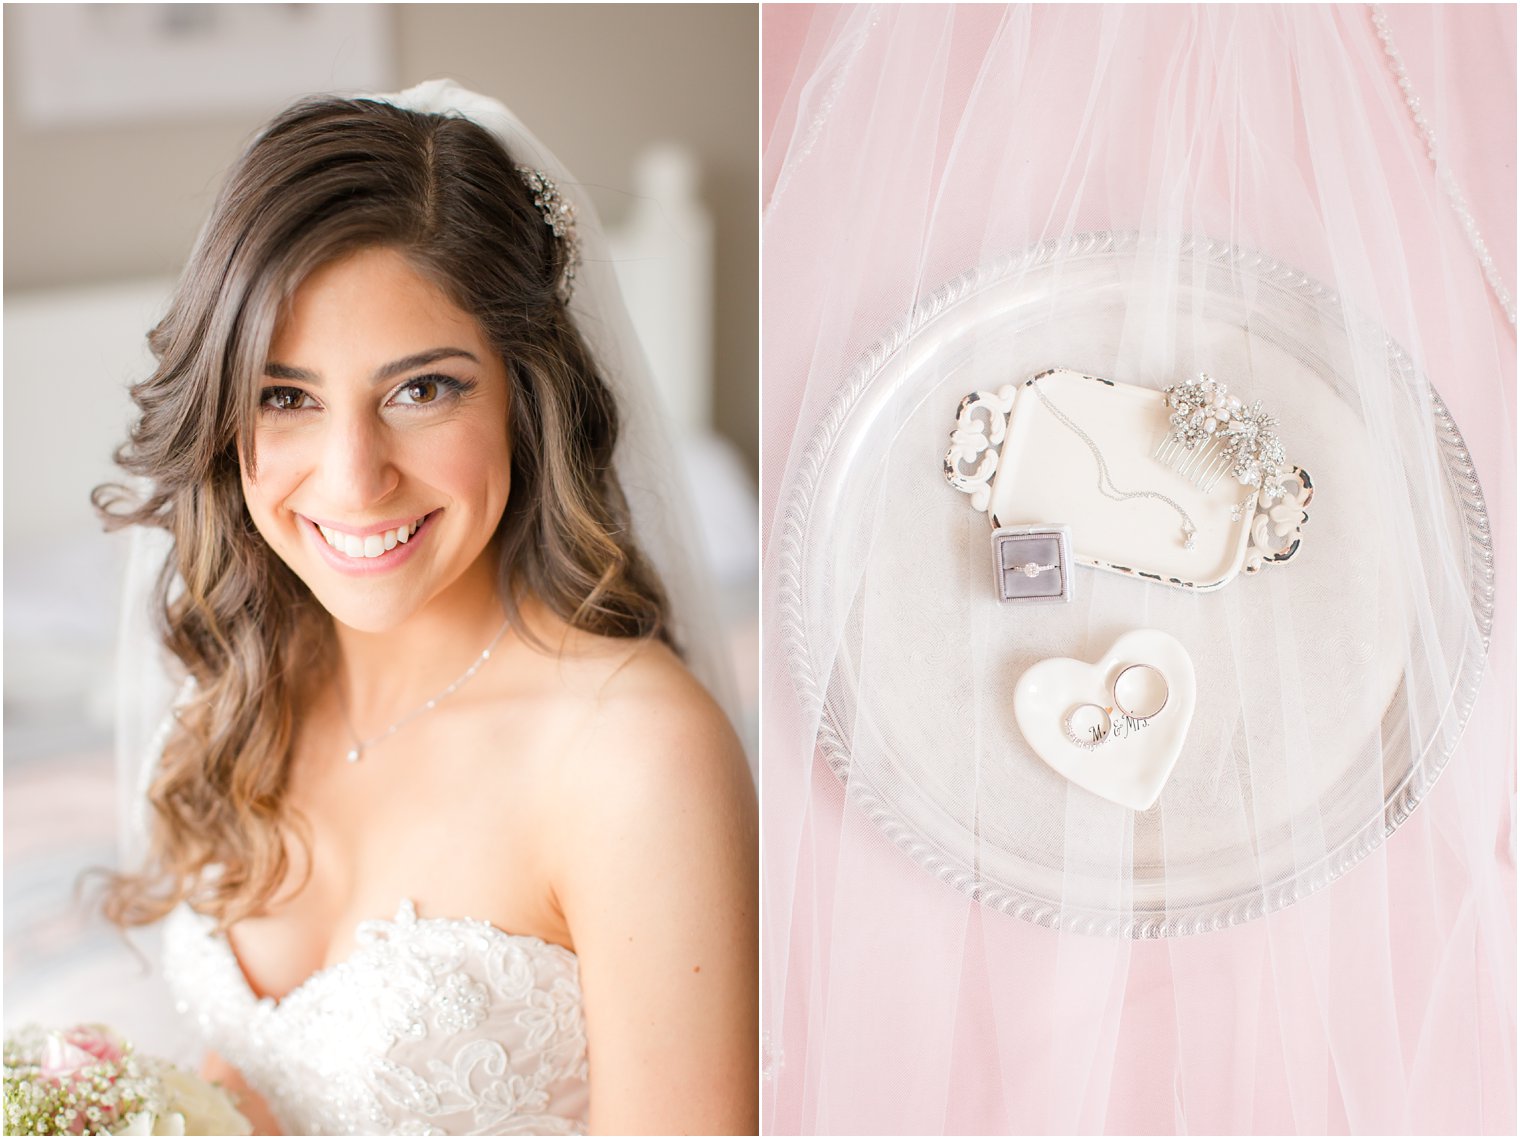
[(92, 1100)]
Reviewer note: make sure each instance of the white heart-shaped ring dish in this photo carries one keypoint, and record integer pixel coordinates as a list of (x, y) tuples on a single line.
[(1132, 765)]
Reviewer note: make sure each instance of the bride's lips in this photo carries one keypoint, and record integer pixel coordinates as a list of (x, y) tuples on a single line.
[(383, 563)]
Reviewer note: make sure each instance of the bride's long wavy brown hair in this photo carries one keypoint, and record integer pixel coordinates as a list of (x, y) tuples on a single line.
[(327, 178)]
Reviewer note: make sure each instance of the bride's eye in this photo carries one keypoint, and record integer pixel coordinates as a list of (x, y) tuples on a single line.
[(420, 391), (427, 391), (284, 399)]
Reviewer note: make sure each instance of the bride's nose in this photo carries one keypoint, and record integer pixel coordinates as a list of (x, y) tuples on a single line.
[(358, 467)]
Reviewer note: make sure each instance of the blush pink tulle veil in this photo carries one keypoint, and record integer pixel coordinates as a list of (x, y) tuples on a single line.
[(1313, 931)]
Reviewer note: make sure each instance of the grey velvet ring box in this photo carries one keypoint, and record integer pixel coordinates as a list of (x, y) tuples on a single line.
[(1033, 563)]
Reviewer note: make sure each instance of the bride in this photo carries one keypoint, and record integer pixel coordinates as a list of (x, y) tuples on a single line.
[(449, 836)]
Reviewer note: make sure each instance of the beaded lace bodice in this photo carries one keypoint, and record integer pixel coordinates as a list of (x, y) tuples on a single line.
[(434, 1026)]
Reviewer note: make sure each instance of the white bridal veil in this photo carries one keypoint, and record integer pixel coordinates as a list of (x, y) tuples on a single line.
[(663, 522), (1309, 931)]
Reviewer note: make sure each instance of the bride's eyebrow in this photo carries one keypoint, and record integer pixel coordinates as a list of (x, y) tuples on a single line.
[(277, 371)]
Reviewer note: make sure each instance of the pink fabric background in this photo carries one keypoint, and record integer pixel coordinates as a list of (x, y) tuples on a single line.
[(1440, 980)]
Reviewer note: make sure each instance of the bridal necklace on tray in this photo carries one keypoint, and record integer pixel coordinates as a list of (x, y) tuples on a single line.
[(1105, 482), (356, 752)]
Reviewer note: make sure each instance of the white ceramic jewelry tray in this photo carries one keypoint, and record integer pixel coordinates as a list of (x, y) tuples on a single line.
[(1022, 466)]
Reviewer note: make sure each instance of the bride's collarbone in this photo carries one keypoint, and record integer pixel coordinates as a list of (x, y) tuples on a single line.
[(457, 743)]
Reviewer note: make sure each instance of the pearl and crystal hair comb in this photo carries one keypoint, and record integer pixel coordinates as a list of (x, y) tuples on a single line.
[(1212, 433)]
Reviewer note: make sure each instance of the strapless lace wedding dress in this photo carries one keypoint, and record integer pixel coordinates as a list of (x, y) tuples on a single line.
[(434, 1026)]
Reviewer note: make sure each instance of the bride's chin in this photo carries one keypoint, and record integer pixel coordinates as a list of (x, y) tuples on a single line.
[(371, 610), (385, 610), (376, 619)]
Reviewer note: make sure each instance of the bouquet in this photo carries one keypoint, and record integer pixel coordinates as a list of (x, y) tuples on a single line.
[(87, 1080)]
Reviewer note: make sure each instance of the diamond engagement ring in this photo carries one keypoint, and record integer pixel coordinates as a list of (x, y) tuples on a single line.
[(1032, 563), (1031, 569)]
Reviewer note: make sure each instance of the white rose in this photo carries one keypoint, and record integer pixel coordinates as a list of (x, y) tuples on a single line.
[(199, 1108), (146, 1123)]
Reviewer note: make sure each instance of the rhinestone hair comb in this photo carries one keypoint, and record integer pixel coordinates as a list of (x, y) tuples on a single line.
[(559, 215), (1213, 434)]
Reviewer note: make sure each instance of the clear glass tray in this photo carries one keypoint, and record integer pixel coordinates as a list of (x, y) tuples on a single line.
[(1010, 842)]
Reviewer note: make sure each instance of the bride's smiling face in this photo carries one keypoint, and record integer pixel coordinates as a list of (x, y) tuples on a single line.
[(382, 462)]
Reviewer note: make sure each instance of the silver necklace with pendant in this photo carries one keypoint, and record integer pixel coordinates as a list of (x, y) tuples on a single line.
[(356, 752), (1106, 485)]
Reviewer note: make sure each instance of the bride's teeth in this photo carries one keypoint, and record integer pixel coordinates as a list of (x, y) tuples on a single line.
[(371, 546)]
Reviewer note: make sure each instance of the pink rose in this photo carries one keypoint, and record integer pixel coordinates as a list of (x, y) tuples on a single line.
[(66, 1052)]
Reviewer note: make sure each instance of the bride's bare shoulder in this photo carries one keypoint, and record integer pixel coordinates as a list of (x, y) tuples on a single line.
[(636, 694), (649, 854), (643, 778)]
